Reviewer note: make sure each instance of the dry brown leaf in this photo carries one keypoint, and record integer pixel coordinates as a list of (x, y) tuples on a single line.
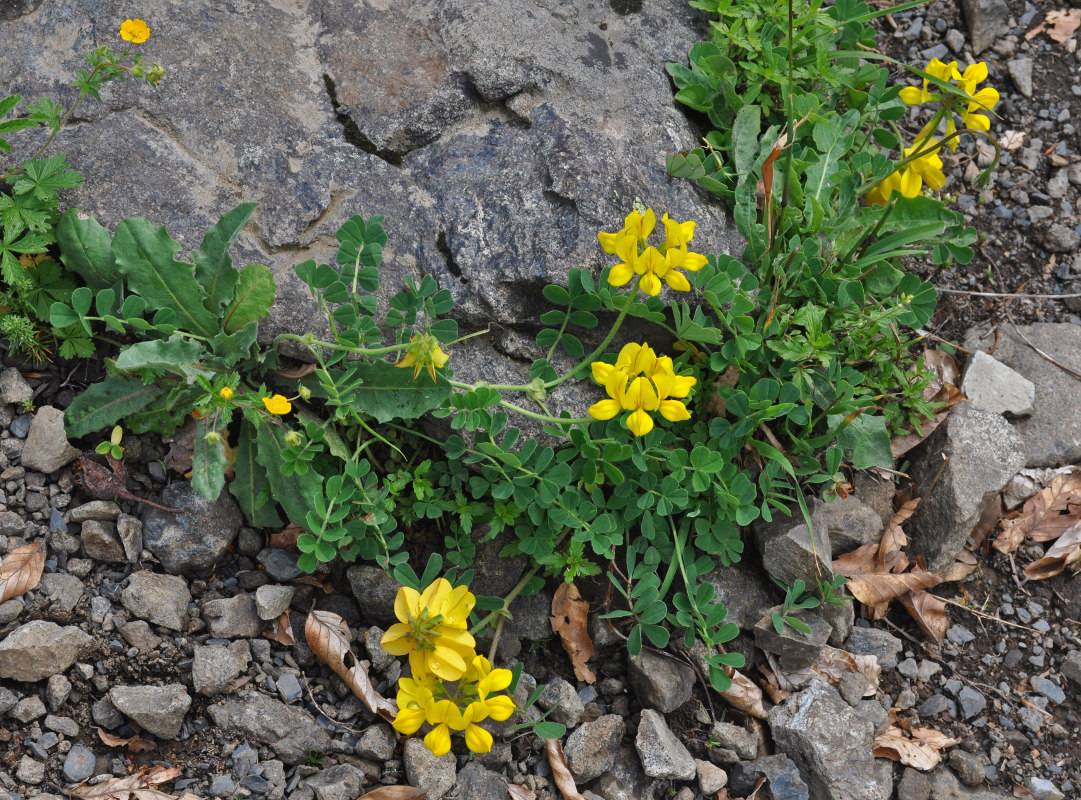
[(1012, 140), (929, 612), (281, 630), (921, 751), (328, 637), (395, 793), (894, 538), (138, 745), (21, 570), (963, 566), (1063, 24), (139, 786), (833, 664), (114, 741), (286, 538), (517, 792), (570, 619), (1065, 551), (561, 774), (744, 694), (1045, 515), (944, 367)]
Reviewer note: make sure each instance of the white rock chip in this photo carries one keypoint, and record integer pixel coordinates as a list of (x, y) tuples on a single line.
[(994, 387)]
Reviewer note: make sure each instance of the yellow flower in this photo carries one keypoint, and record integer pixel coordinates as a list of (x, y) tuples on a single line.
[(944, 72), (641, 382), (909, 181), (469, 705), (225, 393), (423, 352), (432, 630), (415, 700), (277, 405), (135, 31), (983, 99), (652, 264)]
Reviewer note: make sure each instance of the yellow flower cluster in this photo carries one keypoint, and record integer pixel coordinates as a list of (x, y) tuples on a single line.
[(423, 352), (432, 632), (910, 179), (652, 264), (967, 81), (641, 382)]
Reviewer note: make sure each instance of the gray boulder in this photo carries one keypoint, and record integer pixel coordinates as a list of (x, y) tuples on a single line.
[(1051, 436), (159, 710), (992, 386), (47, 449), (830, 743), (38, 650), (198, 536), (958, 470), (288, 730), (790, 551)]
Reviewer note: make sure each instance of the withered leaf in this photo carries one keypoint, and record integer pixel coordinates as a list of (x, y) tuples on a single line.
[(139, 786), (1063, 24), (929, 612), (570, 619), (286, 538), (833, 664), (113, 741), (1012, 140), (517, 792), (395, 793), (281, 630), (922, 751), (328, 636), (21, 570), (963, 566), (561, 774), (1045, 515), (744, 694), (1065, 551)]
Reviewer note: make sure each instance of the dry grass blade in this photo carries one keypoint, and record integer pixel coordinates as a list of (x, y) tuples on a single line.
[(561, 774), (139, 786), (21, 570), (922, 751), (328, 636), (570, 619), (395, 793), (929, 612), (1064, 552)]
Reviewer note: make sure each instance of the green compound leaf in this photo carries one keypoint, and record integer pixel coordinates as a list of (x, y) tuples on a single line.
[(254, 296), (867, 439), (213, 268), (144, 254), (86, 249), (250, 481), (208, 463), (389, 392), (106, 403)]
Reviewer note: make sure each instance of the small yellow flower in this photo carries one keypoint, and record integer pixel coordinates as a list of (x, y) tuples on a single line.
[(423, 352), (135, 31), (641, 382), (909, 181), (652, 264), (432, 629), (225, 393), (277, 405)]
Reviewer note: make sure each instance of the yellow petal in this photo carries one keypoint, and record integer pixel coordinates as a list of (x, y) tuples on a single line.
[(911, 95), (620, 274), (677, 280), (976, 73), (628, 354), (608, 241), (682, 385), (674, 411), (640, 423), (438, 740), (406, 604), (432, 597), (500, 707), (398, 640), (477, 739), (603, 409), (650, 284), (692, 262), (408, 720), (500, 679), (601, 371), (910, 183)]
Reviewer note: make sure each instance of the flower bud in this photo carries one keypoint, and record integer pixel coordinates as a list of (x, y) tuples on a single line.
[(304, 392), (213, 438), (225, 393), (292, 438)]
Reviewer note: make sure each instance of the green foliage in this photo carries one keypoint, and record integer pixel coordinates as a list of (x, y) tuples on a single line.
[(796, 599)]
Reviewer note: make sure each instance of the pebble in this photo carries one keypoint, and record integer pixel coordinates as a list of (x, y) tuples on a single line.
[(933, 705), (79, 764), (1049, 689), (972, 702), (960, 635)]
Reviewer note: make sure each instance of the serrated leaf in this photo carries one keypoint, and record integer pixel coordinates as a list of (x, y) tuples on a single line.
[(208, 463), (213, 268), (389, 392), (177, 354), (104, 404), (249, 481), (254, 296), (144, 254)]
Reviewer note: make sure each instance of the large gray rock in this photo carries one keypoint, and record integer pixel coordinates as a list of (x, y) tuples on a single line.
[(39, 650), (47, 449), (436, 775), (850, 523), (745, 590), (289, 731), (159, 710), (159, 599), (992, 386), (198, 536), (830, 743), (958, 470), (1051, 436), (791, 551), (496, 151), (986, 20), (663, 754)]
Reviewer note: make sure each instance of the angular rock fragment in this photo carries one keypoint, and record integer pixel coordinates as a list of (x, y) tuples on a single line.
[(39, 650)]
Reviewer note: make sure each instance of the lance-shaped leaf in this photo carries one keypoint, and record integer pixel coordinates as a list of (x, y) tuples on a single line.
[(177, 354), (328, 636), (86, 249), (208, 462), (250, 479), (254, 296), (104, 404), (929, 612), (144, 254), (389, 392), (213, 268), (21, 570)]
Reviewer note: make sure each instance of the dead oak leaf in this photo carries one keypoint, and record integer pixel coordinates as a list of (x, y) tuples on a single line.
[(328, 637), (570, 619), (21, 570), (922, 750), (1045, 516)]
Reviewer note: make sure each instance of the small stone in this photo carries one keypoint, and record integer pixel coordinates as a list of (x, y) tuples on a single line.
[(159, 710), (1031, 718), (992, 386), (967, 766), (96, 510), (57, 691), (289, 687), (13, 387), (158, 599), (63, 725), (1049, 689), (39, 649), (425, 771), (875, 642), (660, 681), (1043, 789), (1020, 70), (215, 667), (663, 754), (281, 566), (221, 786), (105, 714), (563, 698), (972, 702), (272, 601), (960, 635), (1060, 239), (341, 782), (933, 705), (28, 709), (377, 743), (1071, 666), (30, 771), (137, 633), (797, 650), (909, 668), (80, 763), (233, 618), (711, 778), (47, 448), (591, 750), (955, 40), (101, 543), (735, 738)]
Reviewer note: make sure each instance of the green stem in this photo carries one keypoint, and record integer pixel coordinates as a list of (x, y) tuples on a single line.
[(601, 347), (544, 417)]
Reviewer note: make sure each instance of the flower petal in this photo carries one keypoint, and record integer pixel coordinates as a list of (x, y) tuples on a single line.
[(438, 740), (640, 423), (603, 409), (674, 411), (477, 739), (408, 720)]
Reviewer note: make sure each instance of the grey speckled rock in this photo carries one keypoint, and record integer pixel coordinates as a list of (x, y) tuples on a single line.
[(958, 470), (375, 592), (992, 386), (47, 449), (851, 523), (13, 387), (478, 783), (159, 599), (660, 681), (435, 775), (986, 20), (215, 666), (563, 698), (39, 649), (791, 552), (233, 617), (830, 743), (1051, 436), (591, 750), (198, 536), (159, 710), (289, 731), (746, 592), (663, 754), (341, 782)]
